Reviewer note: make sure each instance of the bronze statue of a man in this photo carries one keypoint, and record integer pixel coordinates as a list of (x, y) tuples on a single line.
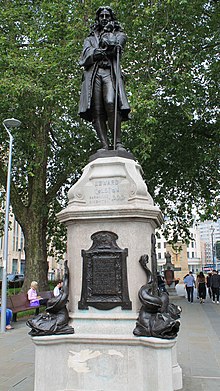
[(103, 81)]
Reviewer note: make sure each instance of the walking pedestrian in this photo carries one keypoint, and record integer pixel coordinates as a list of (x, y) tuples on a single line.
[(189, 282), (201, 287), (208, 280), (215, 285)]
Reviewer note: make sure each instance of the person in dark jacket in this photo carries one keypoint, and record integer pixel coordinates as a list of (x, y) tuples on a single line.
[(102, 48), (208, 280), (215, 285), (201, 287)]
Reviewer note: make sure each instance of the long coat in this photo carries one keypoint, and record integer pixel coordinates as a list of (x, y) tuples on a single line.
[(90, 68)]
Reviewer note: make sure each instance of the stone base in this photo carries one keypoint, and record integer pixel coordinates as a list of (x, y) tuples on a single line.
[(177, 371), (110, 153), (103, 354), (89, 362), (110, 196)]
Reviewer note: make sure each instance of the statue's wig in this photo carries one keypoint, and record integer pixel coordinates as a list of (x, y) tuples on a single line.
[(96, 26), (109, 9)]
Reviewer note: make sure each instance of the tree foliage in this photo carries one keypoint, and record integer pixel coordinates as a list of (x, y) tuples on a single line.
[(40, 86), (171, 66), (174, 85)]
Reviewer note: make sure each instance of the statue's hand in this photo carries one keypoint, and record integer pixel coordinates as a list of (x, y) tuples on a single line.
[(108, 41), (99, 54)]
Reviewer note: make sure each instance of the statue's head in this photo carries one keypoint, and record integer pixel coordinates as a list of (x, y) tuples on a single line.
[(105, 10), (104, 15)]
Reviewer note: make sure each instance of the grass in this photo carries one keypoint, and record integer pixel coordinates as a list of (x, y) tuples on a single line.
[(13, 291), (27, 314)]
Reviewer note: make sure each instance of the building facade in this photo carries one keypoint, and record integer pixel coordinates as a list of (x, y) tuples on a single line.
[(209, 236), (184, 257), (16, 254)]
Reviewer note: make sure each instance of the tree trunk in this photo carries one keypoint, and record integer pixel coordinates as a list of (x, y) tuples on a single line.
[(36, 252), (33, 216)]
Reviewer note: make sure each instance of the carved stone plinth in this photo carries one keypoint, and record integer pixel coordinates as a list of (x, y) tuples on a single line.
[(110, 196), (110, 220), (105, 362)]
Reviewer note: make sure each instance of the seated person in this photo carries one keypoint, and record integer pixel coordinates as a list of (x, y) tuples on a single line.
[(9, 314), (33, 297), (57, 288)]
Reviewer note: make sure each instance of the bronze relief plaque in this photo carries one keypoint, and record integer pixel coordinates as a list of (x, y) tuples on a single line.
[(104, 282)]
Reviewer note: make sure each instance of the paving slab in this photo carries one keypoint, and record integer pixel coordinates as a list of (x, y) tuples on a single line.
[(198, 345), (16, 359)]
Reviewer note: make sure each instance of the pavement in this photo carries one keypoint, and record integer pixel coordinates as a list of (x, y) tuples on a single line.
[(198, 349), (198, 344)]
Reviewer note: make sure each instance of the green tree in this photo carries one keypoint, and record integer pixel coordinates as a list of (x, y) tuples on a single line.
[(170, 64), (39, 83), (173, 75)]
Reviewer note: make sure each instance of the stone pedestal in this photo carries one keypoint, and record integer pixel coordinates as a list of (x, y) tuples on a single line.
[(103, 354), (103, 363), (169, 275), (179, 259), (110, 196), (177, 371)]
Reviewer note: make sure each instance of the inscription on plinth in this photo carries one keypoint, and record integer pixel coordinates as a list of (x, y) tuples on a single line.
[(104, 282), (105, 191), (104, 275)]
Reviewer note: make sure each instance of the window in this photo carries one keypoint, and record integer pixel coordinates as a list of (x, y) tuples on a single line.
[(159, 255), (22, 241), (159, 245), (15, 236), (14, 265), (22, 266)]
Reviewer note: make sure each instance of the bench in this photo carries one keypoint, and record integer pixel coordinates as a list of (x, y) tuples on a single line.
[(46, 294), (20, 303)]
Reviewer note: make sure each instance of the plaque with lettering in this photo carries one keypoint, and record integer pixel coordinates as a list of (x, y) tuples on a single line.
[(104, 282)]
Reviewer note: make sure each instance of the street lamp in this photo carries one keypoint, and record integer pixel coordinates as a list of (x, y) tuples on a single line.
[(212, 228), (7, 123)]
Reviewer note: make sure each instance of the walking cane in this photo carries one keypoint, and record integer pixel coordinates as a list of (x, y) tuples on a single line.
[(116, 96)]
